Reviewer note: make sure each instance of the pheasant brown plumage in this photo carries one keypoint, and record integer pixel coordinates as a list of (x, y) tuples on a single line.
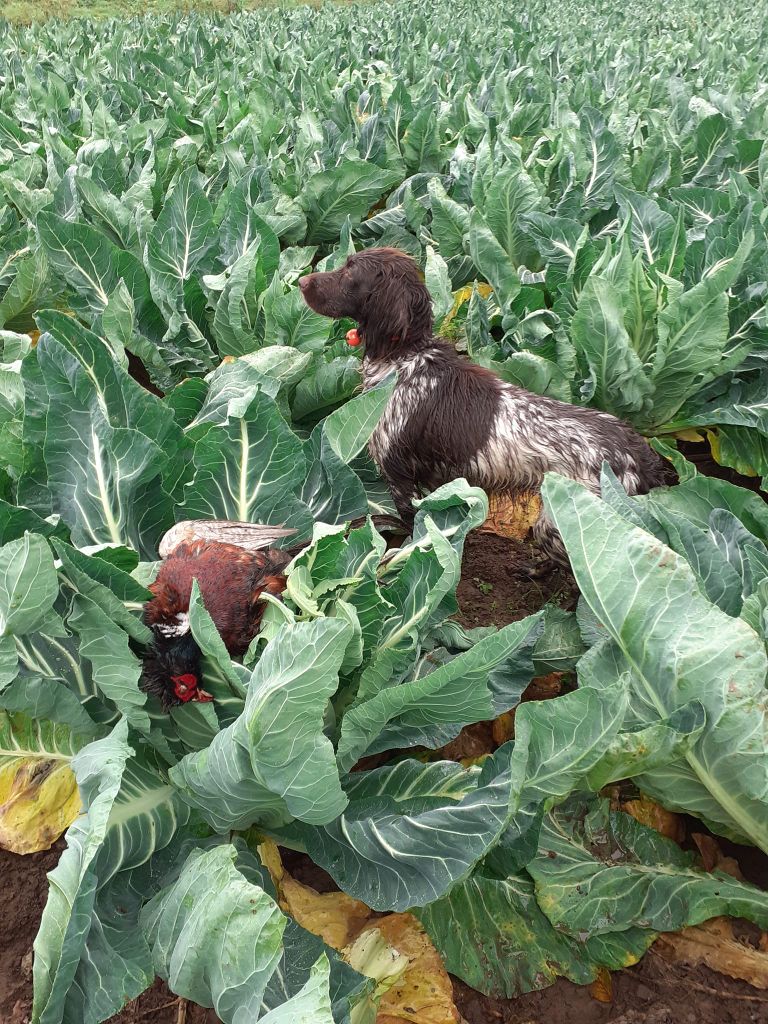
[(231, 582), (232, 579)]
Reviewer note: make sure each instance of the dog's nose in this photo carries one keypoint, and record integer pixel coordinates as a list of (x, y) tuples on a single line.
[(304, 281)]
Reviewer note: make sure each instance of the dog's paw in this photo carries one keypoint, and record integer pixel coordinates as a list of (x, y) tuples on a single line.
[(541, 566)]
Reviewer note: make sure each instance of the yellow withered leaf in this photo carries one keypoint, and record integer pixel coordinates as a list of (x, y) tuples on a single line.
[(689, 435), (39, 800), (601, 988), (713, 858), (649, 813), (504, 728), (714, 944), (334, 916), (424, 994), (464, 295), (512, 517)]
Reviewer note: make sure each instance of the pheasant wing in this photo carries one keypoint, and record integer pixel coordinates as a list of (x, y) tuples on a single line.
[(249, 536)]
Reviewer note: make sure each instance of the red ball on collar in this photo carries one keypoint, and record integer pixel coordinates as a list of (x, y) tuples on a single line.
[(354, 339)]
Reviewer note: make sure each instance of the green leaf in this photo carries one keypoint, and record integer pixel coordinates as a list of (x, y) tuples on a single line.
[(564, 739), (107, 586), (28, 585), (651, 229), (24, 736), (676, 647), (49, 702), (289, 320), (511, 195), (84, 258), (599, 871), (235, 321), (532, 372), (600, 160), (101, 436), (108, 960), (349, 189), (215, 937), (692, 335), (450, 221), (558, 241), (598, 331), (326, 386), (697, 497), (560, 645), (712, 142), (23, 295), (492, 261), (630, 754), (116, 670), (640, 310), (212, 646), (420, 144), (237, 476), (180, 240), (410, 832), (349, 428), (311, 1005), (514, 948), (455, 693), (274, 760), (281, 362), (66, 918), (685, 470), (439, 284), (719, 580), (118, 318)]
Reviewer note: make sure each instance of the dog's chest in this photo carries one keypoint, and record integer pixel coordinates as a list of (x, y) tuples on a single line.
[(405, 407)]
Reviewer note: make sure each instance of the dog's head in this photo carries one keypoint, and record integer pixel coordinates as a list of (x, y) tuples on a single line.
[(383, 290)]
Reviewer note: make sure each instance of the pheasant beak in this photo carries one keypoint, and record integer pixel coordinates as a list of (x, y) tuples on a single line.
[(186, 689)]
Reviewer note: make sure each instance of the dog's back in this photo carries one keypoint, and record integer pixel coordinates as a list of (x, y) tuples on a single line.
[(449, 418)]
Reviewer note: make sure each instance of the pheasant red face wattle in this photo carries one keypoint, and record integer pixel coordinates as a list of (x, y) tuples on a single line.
[(186, 689)]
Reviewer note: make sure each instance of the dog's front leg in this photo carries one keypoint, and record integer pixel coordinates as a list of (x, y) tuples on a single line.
[(403, 490)]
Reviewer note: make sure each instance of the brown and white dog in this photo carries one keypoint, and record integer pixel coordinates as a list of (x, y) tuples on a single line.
[(449, 418)]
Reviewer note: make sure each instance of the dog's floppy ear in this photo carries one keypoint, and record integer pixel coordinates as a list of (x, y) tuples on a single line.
[(398, 305)]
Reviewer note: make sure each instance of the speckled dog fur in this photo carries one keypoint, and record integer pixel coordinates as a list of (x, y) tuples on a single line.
[(449, 418)]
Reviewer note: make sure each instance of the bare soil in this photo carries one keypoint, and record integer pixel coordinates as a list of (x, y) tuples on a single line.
[(496, 588), (498, 584)]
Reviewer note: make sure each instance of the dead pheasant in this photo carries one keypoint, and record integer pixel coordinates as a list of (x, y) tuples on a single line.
[(234, 565)]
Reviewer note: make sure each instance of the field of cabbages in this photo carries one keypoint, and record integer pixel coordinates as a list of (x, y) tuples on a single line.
[(585, 186)]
